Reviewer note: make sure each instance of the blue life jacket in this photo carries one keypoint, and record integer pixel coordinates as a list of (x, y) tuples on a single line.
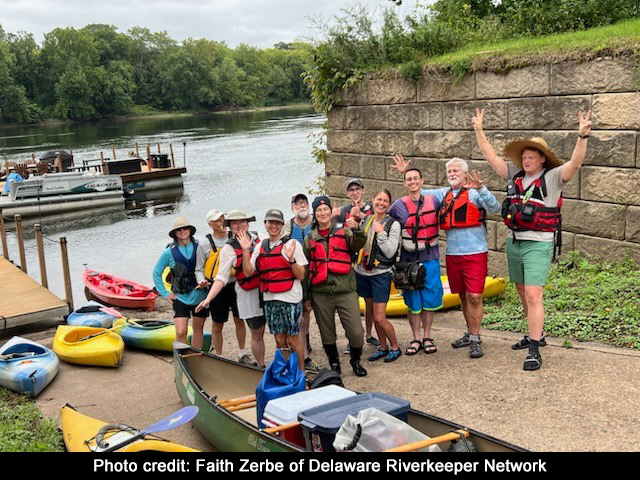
[(297, 232), (183, 276)]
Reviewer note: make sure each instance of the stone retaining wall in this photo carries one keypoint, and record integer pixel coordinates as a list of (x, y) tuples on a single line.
[(429, 121)]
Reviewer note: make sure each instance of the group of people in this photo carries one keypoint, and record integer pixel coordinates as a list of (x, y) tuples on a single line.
[(325, 257)]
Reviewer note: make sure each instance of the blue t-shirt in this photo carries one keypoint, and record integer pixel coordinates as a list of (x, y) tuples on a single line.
[(166, 260), (299, 233)]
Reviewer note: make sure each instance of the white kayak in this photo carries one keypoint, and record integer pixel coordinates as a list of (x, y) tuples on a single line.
[(26, 366)]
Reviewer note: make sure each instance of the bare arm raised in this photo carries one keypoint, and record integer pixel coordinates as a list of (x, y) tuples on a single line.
[(488, 152), (570, 168)]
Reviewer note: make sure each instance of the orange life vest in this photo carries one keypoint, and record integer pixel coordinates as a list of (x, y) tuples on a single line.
[(246, 283), (421, 228), (276, 275), (329, 254), (460, 212)]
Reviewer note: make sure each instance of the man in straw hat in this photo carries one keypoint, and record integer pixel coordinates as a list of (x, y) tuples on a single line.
[(183, 258), (532, 213), (247, 291), (225, 301)]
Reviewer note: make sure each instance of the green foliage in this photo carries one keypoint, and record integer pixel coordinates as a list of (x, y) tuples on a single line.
[(23, 428), (590, 301)]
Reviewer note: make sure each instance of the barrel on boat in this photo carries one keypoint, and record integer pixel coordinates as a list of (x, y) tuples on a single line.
[(26, 366)]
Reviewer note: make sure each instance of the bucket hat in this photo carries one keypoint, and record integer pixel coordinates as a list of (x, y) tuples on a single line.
[(181, 222), (237, 214), (513, 151)]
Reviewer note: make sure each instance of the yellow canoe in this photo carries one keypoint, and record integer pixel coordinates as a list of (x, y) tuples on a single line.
[(79, 432), (396, 307), (104, 350)]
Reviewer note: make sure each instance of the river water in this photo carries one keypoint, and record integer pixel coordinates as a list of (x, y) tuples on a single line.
[(254, 161)]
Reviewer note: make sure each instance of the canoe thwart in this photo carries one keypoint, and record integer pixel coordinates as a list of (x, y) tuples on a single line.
[(410, 447), (236, 401), (281, 428), (244, 406)]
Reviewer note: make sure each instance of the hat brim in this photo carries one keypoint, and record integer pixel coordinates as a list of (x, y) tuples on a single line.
[(172, 233), (513, 151), (227, 221)]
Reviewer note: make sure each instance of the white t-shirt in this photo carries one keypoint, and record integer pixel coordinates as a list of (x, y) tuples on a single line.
[(295, 294)]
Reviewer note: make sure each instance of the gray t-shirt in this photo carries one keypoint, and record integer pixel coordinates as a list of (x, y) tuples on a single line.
[(553, 180)]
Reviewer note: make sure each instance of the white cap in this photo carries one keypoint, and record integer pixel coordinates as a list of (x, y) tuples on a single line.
[(214, 215)]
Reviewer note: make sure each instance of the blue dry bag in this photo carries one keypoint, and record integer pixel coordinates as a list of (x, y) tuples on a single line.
[(281, 378)]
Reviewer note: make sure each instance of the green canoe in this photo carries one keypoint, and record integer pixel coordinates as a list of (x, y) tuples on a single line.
[(208, 381)]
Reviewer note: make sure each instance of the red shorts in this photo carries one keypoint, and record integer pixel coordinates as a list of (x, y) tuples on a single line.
[(467, 273)]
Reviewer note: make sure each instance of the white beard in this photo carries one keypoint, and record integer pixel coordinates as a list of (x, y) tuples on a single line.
[(302, 214)]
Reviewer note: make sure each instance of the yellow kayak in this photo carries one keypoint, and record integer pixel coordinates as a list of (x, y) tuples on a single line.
[(80, 431), (71, 345), (396, 307)]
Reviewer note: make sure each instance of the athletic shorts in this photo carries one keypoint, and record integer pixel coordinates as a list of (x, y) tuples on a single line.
[(256, 322), (529, 261), (283, 317), (374, 286), (430, 297), (181, 310), (224, 301), (466, 273)]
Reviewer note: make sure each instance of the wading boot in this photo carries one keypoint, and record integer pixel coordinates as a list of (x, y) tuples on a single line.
[(356, 353), (333, 357)]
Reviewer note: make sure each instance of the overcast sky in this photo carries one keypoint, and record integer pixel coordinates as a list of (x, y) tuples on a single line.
[(256, 22)]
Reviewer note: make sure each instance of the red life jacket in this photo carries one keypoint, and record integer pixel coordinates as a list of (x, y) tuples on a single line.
[(421, 228), (459, 212), (276, 275), (335, 259), (246, 283)]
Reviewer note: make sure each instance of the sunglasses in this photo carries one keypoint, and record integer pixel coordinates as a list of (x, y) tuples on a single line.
[(179, 229)]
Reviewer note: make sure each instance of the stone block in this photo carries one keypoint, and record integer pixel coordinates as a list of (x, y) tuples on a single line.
[(613, 185), (594, 218), (547, 113), (606, 249), (336, 118), (444, 144), (492, 231), (437, 88), (530, 81), (498, 264), (334, 185), (616, 111), (355, 118), (346, 141), (425, 116), (595, 76), (354, 95), (606, 147), (376, 118), (387, 91), (498, 139), (364, 166), (333, 164), (632, 231), (457, 115), (427, 166)]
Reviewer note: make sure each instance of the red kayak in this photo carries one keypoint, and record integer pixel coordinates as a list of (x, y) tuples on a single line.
[(118, 291)]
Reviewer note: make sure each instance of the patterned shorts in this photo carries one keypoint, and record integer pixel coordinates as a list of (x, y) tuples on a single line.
[(283, 317)]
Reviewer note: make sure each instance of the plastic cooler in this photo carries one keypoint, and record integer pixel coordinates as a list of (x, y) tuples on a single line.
[(284, 410), (320, 424)]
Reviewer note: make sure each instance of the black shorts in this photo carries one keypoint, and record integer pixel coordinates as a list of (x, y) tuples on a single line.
[(183, 310), (256, 322), (224, 301)]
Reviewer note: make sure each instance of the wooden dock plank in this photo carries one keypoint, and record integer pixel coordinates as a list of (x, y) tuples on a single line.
[(22, 297)]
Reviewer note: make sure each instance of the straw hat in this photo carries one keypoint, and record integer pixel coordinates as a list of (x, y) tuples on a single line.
[(179, 223), (513, 150), (237, 214)]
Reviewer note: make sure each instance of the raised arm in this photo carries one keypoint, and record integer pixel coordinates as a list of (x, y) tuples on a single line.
[(570, 168), (488, 152)]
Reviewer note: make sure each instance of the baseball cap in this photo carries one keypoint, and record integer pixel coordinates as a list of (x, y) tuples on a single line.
[(214, 215), (275, 215), (299, 196), (355, 181)]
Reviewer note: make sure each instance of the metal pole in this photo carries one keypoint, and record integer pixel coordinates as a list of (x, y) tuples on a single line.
[(3, 234), (184, 154), (20, 236), (41, 260), (65, 271)]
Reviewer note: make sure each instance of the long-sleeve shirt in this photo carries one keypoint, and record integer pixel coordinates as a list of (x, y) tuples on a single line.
[(166, 260), (472, 240), (398, 211), (388, 244)]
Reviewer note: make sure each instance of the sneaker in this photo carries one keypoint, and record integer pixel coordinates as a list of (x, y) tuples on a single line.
[(373, 341), (378, 354), (532, 362), (310, 365), (475, 349), (393, 356), (246, 359), (524, 343), (462, 341)]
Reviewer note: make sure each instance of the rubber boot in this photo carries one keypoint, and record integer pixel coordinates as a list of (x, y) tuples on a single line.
[(333, 357), (356, 353)]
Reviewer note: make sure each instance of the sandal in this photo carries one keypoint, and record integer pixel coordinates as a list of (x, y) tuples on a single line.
[(429, 346), (524, 343), (412, 350), (532, 362)]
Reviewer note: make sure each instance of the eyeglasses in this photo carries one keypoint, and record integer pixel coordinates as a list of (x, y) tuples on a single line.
[(354, 189), (301, 202)]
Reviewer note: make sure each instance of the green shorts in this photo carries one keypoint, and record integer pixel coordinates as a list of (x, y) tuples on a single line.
[(529, 261)]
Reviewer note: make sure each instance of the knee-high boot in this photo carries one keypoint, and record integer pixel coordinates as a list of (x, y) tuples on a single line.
[(356, 353), (334, 359)]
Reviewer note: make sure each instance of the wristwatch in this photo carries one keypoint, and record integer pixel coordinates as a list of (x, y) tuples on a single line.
[(584, 136)]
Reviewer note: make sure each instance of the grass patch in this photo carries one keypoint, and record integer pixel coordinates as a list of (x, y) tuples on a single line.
[(583, 300), (23, 428)]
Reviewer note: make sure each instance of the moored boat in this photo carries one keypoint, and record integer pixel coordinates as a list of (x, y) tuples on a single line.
[(222, 391), (26, 366), (80, 433), (118, 292), (154, 334), (93, 314), (88, 346)]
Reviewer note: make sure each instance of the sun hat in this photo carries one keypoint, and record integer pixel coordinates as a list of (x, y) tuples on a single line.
[(179, 223), (214, 215), (513, 150), (237, 214), (275, 215)]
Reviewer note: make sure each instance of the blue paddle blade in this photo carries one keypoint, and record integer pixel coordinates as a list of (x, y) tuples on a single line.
[(182, 416)]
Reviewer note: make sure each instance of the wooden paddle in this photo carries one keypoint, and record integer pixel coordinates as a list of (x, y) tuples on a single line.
[(105, 331), (410, 447)]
